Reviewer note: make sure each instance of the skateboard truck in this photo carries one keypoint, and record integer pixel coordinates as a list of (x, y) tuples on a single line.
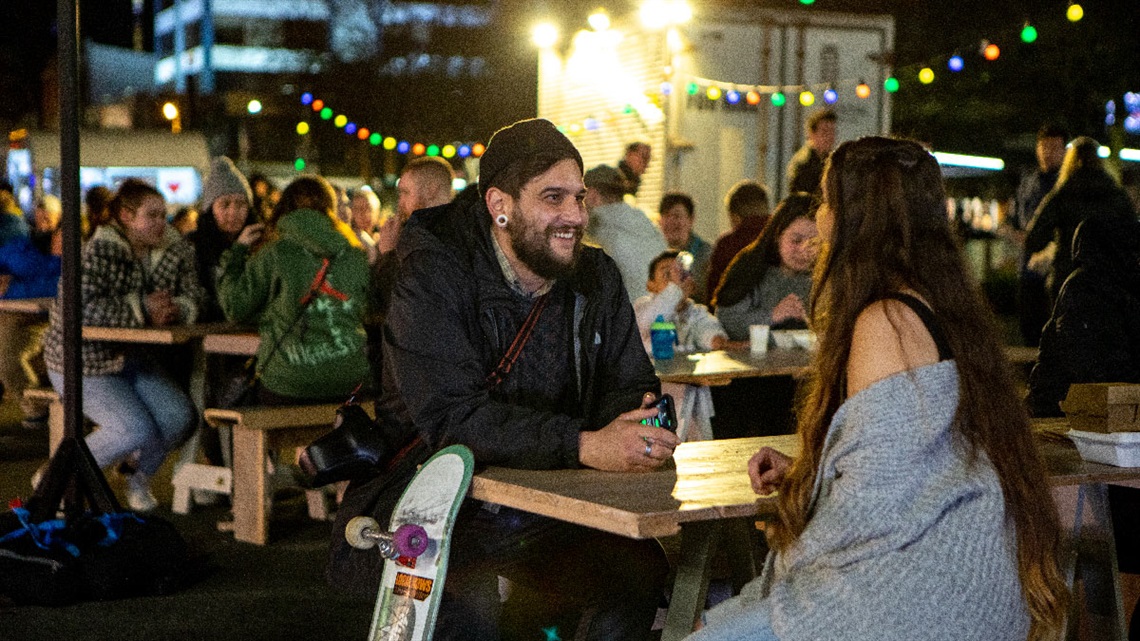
[(364, 533)]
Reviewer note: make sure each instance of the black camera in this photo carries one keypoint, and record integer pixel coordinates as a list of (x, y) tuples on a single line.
[(666, 414)]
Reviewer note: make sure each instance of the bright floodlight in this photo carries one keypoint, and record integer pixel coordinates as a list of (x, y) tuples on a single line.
[(658, 14), (599, 20), (254, 106), (544, 35), (170, 111)]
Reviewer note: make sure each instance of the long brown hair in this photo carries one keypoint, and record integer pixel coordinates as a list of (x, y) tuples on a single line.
[(316, 193), (890, 232)]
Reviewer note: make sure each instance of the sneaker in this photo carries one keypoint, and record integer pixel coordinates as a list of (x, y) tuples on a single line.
[(39, 476), (139, 496)]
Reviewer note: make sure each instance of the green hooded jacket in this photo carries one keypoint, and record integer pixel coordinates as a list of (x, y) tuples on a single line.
[(322, 355)]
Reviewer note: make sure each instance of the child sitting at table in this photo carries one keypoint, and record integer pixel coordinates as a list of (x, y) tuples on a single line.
[(136, 271), (918, 506), (670, 288)]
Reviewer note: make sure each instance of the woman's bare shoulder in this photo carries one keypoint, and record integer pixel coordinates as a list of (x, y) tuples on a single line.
[(888, 338)]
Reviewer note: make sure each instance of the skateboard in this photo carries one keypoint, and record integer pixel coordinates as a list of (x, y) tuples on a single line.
[(415, 548)]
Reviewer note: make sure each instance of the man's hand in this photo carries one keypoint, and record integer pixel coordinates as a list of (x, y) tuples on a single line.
[(766, 470), (791, 306), (388, 233), (625, 445)]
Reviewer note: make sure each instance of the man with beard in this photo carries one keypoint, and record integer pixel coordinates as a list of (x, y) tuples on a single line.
[(470, 278)]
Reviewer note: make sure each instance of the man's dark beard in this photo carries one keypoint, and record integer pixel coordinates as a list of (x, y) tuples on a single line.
[(532, 247)]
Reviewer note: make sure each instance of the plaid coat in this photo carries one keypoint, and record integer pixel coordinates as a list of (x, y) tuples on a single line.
[(113, 284)]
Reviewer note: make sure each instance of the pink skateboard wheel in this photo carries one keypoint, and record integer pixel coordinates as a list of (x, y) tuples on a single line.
[(410, 540)]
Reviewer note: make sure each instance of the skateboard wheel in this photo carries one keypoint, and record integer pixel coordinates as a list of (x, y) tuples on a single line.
[(358, 530), (410, 540)]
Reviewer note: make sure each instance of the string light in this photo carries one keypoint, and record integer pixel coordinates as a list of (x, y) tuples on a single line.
[(713, 93), (779, 99), (752, 98), (863, 90), (926, 76), (991, 52), (891, 85), (1075, 12), (830, 96), (368, 135), (807, 98), (956, 63), (1028, 33)]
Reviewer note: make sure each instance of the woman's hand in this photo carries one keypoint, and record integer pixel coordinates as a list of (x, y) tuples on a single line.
[(766, 470), (792, 306), (251, 234), (161, 308)]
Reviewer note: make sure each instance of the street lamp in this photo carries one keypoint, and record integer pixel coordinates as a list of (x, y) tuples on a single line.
[(544, 35), (170, 112)]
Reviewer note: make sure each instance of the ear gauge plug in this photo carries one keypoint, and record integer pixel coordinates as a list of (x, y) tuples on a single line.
[(501, 220)]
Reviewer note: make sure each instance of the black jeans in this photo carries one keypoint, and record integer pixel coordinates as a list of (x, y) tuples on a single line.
[(562, 577)]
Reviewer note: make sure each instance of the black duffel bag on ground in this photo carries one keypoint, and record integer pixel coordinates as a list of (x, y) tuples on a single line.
[(98, 553)]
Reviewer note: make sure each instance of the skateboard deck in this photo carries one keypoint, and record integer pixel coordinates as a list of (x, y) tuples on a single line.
[(416, 547)]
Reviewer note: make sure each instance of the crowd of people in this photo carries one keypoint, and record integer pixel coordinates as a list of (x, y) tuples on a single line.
[(514, 318)]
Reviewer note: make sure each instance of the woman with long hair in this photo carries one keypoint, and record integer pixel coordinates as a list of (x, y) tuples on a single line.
[(1084, 190), (306, 288), (918, 507), (769, 281)]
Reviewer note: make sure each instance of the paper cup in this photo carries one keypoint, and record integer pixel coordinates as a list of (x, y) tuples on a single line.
[(758, 335)]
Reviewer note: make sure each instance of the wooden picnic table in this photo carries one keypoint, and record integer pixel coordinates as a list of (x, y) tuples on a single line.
[(721, 367), (708, 486), (168, 335), (25, 305)]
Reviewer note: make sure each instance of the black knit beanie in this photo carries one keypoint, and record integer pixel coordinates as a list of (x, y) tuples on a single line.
[(520, 140)]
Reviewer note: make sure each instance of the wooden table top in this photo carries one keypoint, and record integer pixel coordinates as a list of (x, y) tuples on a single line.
[(25, 305), (169, 335), (241, 343), (723, 366), (709, 481)]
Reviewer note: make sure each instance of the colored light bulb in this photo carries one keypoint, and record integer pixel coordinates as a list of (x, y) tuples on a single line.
[(779, 99)]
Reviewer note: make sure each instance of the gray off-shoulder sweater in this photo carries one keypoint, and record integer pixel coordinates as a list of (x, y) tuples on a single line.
[(907, 537)]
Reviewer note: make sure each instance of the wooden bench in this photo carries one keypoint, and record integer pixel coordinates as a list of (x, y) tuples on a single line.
[(256, 431), (47, 398)]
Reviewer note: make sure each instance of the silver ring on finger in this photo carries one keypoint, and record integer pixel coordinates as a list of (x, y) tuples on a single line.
[(649, 448)]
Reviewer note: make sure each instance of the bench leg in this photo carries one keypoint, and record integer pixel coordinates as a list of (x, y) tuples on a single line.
[(250, 490)]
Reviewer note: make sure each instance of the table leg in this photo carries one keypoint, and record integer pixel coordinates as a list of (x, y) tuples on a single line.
[(197, 392), (690, 588), (250, 486), (1096, 565)]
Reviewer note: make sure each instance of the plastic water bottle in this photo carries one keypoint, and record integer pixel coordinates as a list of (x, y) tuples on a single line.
[(662, 336)]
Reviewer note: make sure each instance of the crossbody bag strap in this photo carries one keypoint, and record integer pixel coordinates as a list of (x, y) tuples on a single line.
[(512, 354), (318, 286)]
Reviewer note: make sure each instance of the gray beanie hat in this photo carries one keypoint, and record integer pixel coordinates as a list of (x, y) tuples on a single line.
[(224, 179)]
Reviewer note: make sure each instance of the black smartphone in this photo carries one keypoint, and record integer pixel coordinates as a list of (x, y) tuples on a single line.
[(666, 414)]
